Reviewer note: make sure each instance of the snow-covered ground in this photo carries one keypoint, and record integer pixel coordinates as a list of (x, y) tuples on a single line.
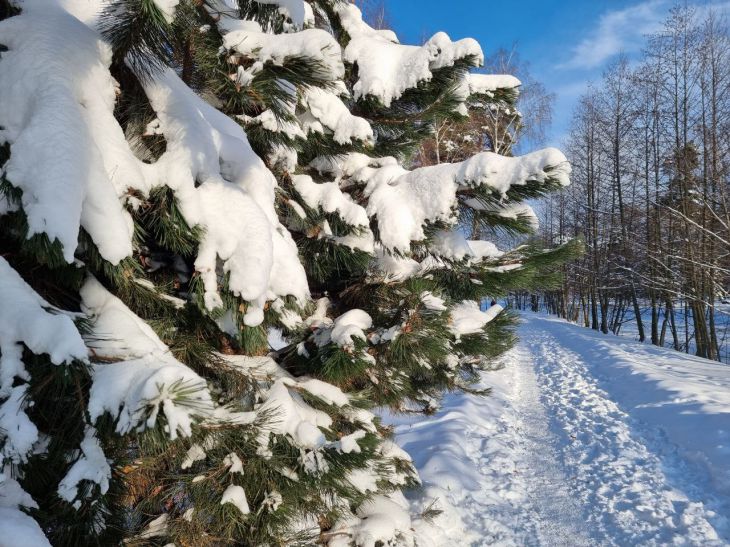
[(722, 321), (585, 440)]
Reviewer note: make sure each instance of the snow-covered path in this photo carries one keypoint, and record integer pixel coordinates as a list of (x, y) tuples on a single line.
[(585, 440)]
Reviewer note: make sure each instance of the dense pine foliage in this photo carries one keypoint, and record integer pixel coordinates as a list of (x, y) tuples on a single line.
[(215, 263)]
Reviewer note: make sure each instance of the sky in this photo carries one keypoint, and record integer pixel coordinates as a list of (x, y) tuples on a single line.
[(568, 43)]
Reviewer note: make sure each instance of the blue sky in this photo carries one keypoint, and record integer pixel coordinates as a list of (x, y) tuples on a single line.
[(567, 42)]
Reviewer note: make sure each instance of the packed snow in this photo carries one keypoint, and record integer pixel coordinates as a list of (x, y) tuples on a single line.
[(598, 439)]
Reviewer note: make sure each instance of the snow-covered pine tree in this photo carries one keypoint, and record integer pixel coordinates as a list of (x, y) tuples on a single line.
[(214, 264)]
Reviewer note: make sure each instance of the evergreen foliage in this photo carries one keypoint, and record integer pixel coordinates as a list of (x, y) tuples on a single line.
[(191, 388)]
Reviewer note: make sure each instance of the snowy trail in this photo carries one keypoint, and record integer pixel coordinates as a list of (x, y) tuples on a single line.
[(585, 440)]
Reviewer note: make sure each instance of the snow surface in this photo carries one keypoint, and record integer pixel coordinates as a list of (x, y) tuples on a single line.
[(585, 440)]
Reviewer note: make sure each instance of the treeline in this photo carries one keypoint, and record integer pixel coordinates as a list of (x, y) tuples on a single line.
[(650, 149)]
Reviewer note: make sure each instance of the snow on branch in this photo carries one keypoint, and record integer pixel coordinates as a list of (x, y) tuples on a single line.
[(146, 376), (223, 186), (26, 318), (67, 152), (404, 201), (299, 11), (485, 84), (386, 69), (467, 318), (14, 523), (329, 110), (246, 38)]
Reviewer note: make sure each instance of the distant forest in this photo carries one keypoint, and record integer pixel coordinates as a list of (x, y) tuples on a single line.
[(650, 149)]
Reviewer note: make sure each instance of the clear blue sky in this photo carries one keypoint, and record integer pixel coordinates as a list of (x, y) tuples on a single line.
[(567, 42)]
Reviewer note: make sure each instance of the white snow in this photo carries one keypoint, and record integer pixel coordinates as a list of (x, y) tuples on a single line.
[(403, 201), (17, 432), (21, 528), (299, 11), (489, 83), (433, 302), (349, 325), (467, 318), (68, 154), (234, 202), (293, 417), (236, 495), (386, 69), (234, 463), (167, 7), (451, 244), (330, 198), (15, 525), (598, 439), (26, 318), (327, 392), (348, 443), (90, 466), (381, 520), (246, 38), (146, 377), (329, 110), (194, 454)]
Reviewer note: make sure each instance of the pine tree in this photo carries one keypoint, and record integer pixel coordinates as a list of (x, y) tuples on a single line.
[(215, 265)]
